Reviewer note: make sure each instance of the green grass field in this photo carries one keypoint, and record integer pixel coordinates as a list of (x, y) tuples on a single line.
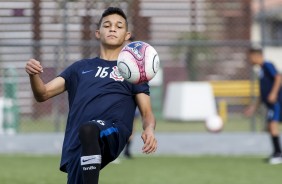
[(21, 169)]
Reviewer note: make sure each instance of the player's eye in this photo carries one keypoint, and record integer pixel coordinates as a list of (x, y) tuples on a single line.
[(106, 25), (120, 26)]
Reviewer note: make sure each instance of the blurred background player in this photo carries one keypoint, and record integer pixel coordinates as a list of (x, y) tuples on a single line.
[(271, 97)]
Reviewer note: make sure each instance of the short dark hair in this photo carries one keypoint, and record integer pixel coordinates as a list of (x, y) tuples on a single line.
[(257, 50), (111, 11), (132, 38)]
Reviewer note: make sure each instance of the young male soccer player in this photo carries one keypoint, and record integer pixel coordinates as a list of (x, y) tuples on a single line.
[(271, 96), (101, 104)]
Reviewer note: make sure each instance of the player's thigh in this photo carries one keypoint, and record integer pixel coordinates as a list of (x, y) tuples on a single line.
[(274, 113)]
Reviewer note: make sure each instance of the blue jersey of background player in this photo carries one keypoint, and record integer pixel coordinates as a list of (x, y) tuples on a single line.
[(101, 104), (271, 96), (267, 76)]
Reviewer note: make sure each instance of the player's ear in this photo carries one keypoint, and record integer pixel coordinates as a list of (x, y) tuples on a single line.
[(97, 34), (127, 36)]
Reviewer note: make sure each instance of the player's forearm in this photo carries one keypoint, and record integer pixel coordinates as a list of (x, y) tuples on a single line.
[(149, 121), (38, 87), (257, 103)]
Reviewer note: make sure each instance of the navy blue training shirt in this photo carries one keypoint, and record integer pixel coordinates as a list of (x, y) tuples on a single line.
[(267, 75), (96, 91)]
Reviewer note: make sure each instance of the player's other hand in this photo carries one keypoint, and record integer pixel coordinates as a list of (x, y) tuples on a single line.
[(272, 98), (150, 142), (33, 67), (250, 110)]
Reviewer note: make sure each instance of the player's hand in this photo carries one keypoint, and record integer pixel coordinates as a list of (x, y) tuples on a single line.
[(150, 142), (33, 67), (249, 111), (272, 98)]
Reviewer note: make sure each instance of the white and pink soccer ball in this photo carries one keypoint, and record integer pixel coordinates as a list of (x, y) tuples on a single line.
[(138, 62), (214, 123)]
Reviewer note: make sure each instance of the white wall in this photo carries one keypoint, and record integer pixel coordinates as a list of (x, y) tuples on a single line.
[(274, 54), (189, 101)]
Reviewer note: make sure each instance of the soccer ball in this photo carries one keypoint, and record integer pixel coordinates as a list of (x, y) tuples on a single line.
[(138, 62), (214, 123)]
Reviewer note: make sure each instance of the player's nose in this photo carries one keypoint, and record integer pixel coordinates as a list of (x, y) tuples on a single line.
[(113, 28)]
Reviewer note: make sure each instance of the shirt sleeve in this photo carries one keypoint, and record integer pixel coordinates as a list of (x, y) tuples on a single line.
[(69, 74), (271, 69), (141, 88)]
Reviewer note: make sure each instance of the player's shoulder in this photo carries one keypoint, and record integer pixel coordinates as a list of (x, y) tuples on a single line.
[(269, 65)]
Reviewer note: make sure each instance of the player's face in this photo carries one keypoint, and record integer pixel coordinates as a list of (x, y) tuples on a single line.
[(251, 58), (113, 31), (254, 58)]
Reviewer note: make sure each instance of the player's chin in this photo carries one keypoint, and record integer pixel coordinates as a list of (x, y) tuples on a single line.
[(114, 42)]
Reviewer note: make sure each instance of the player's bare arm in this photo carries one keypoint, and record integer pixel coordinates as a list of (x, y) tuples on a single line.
[(251, 109), (272, 98), (42, 91), (149, 123)]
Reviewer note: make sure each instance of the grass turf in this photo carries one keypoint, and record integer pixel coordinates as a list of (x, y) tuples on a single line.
[(22, 169)]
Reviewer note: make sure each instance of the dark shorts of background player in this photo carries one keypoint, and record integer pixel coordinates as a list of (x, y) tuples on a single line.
[(274, 112), (113, 138)]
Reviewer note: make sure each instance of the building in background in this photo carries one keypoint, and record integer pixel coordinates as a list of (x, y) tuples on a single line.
[(267, 29)]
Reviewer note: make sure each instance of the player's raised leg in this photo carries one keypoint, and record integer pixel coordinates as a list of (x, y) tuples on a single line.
[(91, 154)]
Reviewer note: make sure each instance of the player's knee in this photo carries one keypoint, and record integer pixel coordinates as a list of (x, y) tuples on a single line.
[(88, 132)]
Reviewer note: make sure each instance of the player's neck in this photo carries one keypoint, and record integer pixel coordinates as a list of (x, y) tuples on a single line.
[(110, 54)]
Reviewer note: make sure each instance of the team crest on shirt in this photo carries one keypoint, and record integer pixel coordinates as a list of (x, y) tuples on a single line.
[(116, 75)]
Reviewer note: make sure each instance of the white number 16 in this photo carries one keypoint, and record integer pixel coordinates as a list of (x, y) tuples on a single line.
[(102, 72)]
